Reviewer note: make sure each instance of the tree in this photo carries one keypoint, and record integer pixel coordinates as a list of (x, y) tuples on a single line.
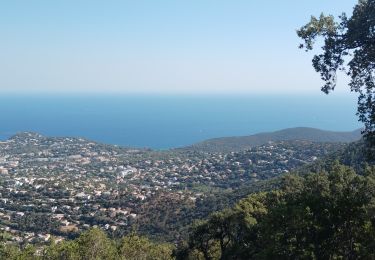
[(202, 239), (9, 251), (94, 244), (349, 46), (63, 250), (140, 248), (325, 215)]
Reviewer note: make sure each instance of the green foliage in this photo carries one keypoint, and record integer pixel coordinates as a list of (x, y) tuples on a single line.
[(140, 248), (9, 252), (319, 216), (348, 46), (28, 253), (241, 143), (62, 250), (92, 245)]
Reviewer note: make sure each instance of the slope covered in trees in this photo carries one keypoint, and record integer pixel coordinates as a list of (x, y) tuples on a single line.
[(326, 215), (240, 143), (90, 245)]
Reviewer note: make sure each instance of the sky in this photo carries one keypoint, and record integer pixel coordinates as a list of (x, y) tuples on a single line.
[(163, 47)]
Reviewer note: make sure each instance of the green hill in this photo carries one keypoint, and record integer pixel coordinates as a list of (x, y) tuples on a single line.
[(233, 144)]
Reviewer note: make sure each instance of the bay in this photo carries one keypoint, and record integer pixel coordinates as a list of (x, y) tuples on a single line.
[(167, 121)]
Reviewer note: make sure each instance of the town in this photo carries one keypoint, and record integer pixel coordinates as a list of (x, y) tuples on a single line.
[(59, 186)]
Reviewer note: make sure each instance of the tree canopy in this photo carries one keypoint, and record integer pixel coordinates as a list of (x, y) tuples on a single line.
[(319, 216), (349, 46), (92, 244)]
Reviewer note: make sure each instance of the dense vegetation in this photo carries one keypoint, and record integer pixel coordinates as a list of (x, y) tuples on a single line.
[(92, 244), (241, 143), (326, 215)]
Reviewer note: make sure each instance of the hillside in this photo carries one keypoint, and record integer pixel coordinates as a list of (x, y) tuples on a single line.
[(65, 185), (232, 144)]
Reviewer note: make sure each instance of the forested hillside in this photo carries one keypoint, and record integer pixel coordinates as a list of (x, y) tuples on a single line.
[(239, 143), (325, 215)]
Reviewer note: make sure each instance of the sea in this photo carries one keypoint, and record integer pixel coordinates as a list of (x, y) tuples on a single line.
[(170, 121)]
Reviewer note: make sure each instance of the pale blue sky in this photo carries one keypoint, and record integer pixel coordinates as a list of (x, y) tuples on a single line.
[(195, 46)]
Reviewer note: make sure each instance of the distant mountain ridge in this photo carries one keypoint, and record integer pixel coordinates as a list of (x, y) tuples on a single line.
[(238, 143)]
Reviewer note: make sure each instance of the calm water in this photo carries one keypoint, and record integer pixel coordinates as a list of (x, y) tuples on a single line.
[(170, 121)]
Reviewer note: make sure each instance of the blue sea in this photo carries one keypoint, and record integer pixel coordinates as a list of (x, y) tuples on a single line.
[(162, 122)]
